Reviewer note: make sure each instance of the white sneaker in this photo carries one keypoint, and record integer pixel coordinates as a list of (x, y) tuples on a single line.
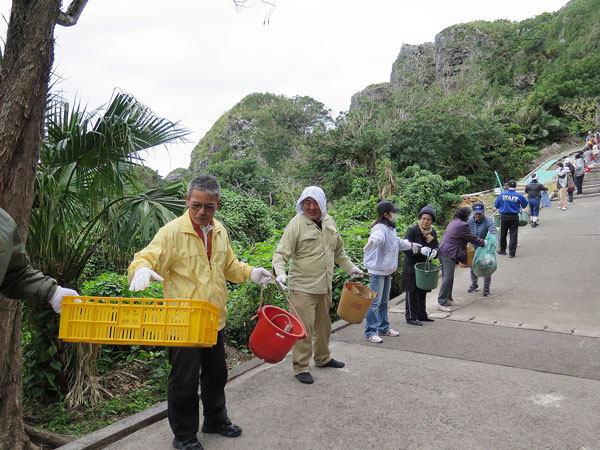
[(444, 308), (391, 332), (564, 209), (375, 339)]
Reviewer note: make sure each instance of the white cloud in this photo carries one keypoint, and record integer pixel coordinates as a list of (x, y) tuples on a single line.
[(191, 61)]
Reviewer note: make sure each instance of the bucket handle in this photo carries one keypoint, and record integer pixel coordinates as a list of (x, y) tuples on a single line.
[(293, 310)]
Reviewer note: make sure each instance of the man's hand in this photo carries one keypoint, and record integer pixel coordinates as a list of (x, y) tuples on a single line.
[(415, 247), (141, 278), (260, 276), (282, 278), (355, 272), (57, 298)]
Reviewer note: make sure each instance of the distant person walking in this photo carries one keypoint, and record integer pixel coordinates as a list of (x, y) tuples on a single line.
[(381, 260), (509, 203), (453, 250), (415, 311), (481, 224), (534, 191), (561, 185), (570, 169), (580, 165)]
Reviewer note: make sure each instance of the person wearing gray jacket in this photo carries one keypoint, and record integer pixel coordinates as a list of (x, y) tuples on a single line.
[(480, 225)]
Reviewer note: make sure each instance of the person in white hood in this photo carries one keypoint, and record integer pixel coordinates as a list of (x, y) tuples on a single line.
[(381, 260), (311, 244)]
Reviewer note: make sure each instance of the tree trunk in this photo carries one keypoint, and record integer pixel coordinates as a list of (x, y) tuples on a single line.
[(28, 57)]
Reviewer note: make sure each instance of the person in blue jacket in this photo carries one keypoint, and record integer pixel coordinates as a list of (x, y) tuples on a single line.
[(480, 224), (509, 203)]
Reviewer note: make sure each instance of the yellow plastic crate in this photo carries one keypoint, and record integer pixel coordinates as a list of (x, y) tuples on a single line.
[(139, 321)]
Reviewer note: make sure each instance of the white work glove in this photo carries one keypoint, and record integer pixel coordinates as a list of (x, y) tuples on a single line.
[(485, 242), (282, 278), (425, 251), (260, 276), (141, 278), (415, 247), (57, 298), (434, 253), (355, 272)]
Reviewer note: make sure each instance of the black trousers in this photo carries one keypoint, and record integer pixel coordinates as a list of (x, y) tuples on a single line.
[(509, 223), (182, 389), (414, 304)]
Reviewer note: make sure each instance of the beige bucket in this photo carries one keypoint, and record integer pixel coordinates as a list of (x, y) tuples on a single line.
[(354, 302)]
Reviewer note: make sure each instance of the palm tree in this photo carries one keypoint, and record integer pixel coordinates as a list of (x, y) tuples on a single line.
[(88, 194)]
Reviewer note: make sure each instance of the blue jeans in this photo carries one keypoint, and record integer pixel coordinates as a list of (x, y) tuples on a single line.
[(534, 206), (377, 315)]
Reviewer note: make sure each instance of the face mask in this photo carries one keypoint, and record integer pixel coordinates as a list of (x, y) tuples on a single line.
[(394, 218)]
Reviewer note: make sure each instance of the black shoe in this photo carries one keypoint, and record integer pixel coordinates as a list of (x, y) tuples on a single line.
[(226, 429), (190, 444), (414, 322), (426, 319), (472, 288), (511, 256), (486, 292), (500, 252), (334, 363), (305, 378)]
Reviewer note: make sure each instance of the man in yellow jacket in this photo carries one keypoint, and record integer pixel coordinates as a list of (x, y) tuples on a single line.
[(193, 258), (312, 245)]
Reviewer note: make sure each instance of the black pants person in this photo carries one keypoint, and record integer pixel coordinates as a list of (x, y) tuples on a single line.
[(579, 183), (414, 305), (509, 223), (182, 389)]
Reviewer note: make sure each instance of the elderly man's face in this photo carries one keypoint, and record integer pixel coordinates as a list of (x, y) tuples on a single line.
[(478, 216), (202, 206), (311, 208)]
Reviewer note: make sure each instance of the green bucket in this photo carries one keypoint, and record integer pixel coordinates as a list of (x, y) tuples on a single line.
[(497, 220), (427, 275)]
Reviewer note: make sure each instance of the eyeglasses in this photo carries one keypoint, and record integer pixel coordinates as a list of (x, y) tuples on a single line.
[(208, 207)]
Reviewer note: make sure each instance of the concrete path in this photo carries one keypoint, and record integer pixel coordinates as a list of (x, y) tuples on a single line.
[(517, 370)]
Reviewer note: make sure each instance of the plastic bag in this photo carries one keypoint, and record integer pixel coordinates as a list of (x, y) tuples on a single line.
[(484, 261), (545, 200)]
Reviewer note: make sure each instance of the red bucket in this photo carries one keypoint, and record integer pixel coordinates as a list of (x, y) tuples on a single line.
[(276, 331)]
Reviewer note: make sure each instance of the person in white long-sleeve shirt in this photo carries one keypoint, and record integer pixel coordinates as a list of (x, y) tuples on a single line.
[(381, 260)]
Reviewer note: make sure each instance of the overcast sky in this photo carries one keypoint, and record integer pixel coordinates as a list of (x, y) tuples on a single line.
[(192, 60)]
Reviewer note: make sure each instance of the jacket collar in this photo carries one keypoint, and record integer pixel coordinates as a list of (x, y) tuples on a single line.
[(188, 227)]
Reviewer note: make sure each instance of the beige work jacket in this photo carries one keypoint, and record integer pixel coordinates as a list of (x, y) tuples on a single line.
[(311, 253)]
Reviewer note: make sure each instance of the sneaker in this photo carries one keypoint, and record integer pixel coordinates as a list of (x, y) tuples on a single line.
[(500, 252), (334, 363), (191, 444), (486, 292), (444, 308), (472, 288), (391, 332), (375, 339), (564, 208), (226, 428), (451, 303)]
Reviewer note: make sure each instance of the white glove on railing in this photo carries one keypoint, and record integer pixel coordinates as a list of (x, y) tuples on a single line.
[(415, 247), (425, 251), (57, 298), (355, 272), (141, 278), (260, 276), (434, 253), (282, 278)]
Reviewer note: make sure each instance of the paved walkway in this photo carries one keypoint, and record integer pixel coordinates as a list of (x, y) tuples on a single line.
[(517, 370)]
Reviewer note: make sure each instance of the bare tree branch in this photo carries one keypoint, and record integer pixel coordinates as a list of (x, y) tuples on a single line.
[(241, 4), (71, 16)]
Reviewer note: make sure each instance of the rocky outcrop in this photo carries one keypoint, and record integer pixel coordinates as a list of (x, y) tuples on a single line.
[(450, 61), (375, 93)]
